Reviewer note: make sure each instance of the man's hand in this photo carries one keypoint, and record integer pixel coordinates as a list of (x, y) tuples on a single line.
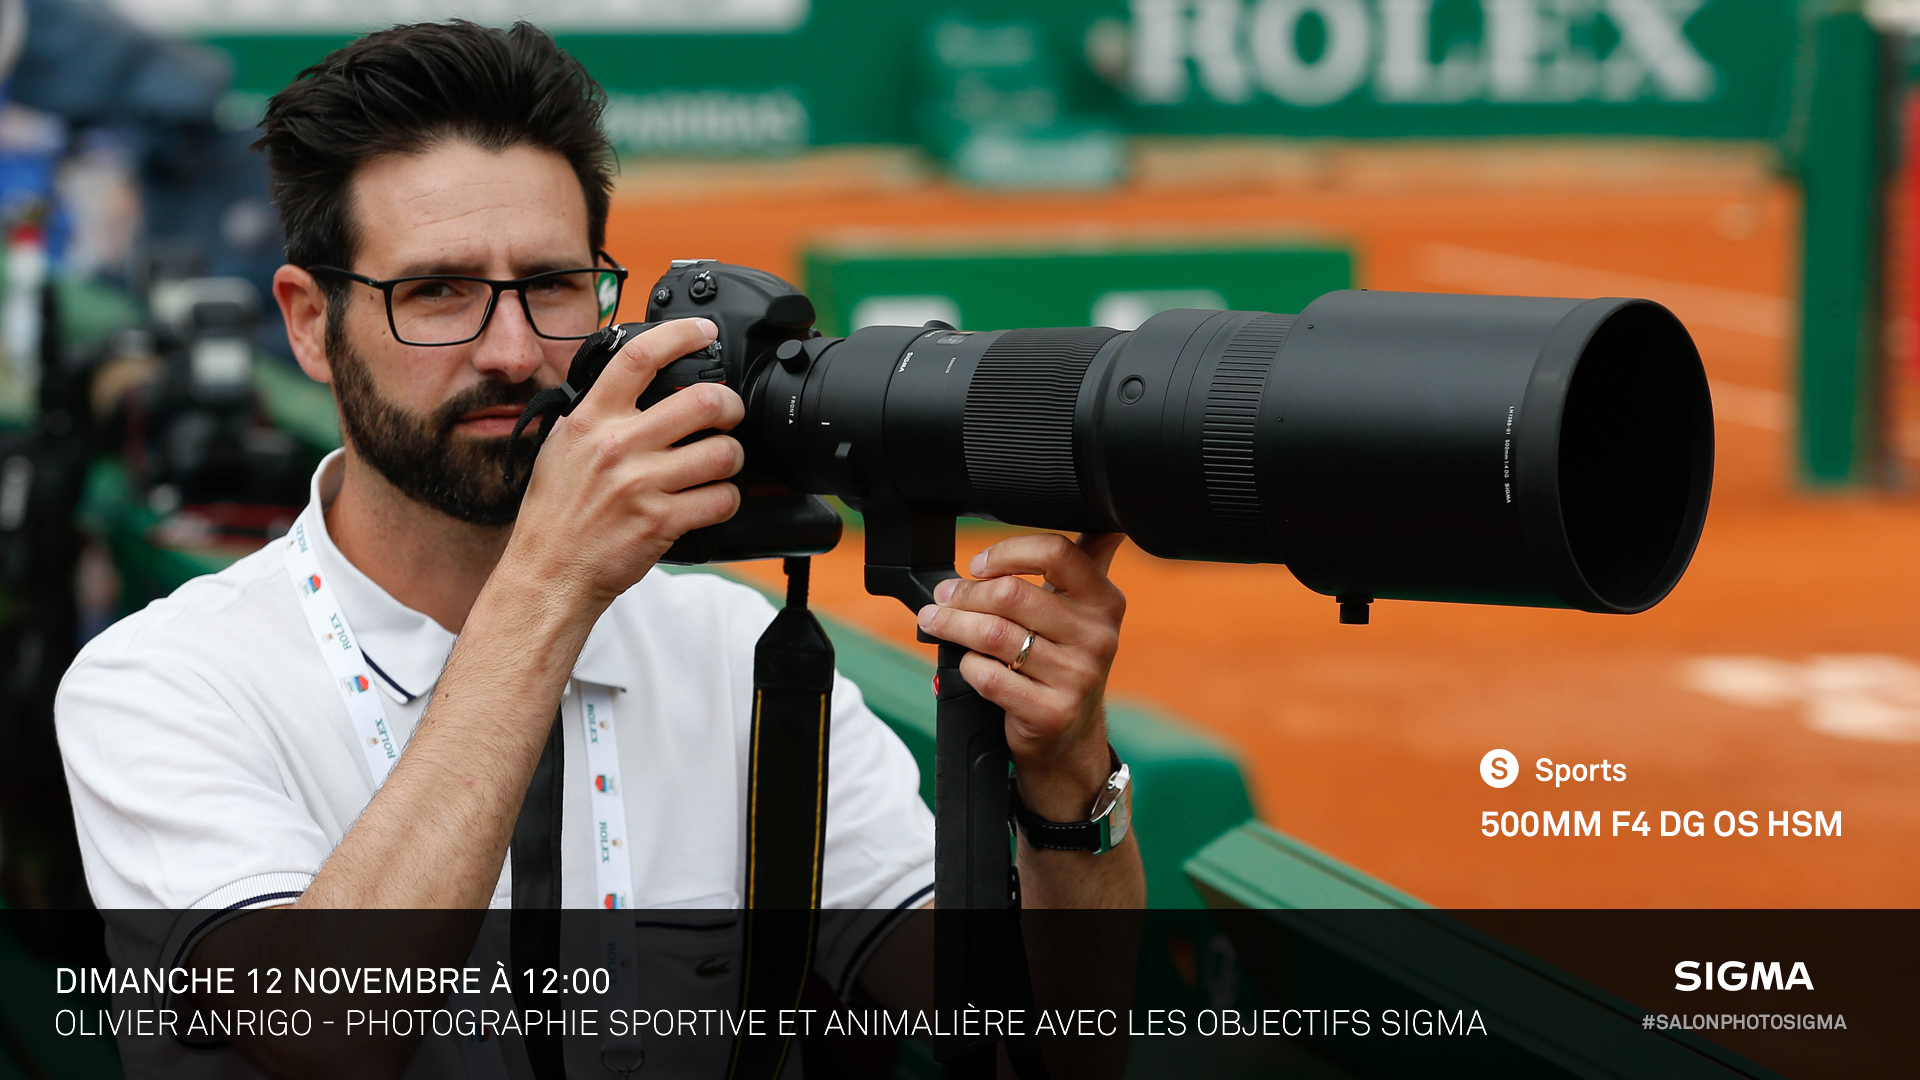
[(1056, 726), (611, 491)]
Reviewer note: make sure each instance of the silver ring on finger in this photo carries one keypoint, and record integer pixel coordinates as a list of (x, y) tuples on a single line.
[(1025, 648)]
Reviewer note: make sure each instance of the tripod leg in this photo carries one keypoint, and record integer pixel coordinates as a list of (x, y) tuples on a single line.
[(972, 860)]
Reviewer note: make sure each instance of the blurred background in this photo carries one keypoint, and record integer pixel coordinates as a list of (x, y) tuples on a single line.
[(1002, 164)]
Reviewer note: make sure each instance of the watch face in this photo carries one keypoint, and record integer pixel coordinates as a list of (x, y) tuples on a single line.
[(1115, 807), (1122, 819)]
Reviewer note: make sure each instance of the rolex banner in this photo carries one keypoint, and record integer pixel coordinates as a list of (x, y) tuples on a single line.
[(774, 75)]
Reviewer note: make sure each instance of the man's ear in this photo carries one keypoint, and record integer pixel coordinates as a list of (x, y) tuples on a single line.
[(303, 304)]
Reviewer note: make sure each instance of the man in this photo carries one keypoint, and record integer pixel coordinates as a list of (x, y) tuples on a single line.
[(218, 758)]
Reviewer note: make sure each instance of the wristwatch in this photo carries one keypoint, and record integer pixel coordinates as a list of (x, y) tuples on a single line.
[(1104, 828)]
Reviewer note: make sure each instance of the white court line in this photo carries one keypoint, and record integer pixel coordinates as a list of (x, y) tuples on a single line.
[(1768, 410), (1696, 305), (1700, 305), (1853, 696), (1771, 410)]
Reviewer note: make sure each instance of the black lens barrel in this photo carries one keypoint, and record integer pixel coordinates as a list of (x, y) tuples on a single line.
[(1478, 449)]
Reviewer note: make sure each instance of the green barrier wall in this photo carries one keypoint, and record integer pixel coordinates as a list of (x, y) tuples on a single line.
[(1309, 929), (851, 71), (1003, 287), (1255, 866)]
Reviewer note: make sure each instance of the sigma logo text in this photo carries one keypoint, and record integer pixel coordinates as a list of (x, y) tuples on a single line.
[(1690, 975)]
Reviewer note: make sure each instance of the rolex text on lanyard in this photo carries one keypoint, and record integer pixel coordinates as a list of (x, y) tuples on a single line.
[(612, 870), (351, 675)]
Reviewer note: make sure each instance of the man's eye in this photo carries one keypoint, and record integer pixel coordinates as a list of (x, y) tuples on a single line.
[(550, 286), (432, 290)]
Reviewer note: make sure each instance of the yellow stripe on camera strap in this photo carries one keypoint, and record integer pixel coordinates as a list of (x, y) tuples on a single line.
[(786, 820)]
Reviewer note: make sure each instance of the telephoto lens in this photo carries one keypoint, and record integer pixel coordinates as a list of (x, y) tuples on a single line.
[(1408, 446), (1472, 449)]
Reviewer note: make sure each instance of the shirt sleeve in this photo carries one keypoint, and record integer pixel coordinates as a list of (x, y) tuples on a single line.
[(178, 800)]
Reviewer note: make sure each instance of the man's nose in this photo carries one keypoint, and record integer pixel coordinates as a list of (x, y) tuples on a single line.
[(508, 347)]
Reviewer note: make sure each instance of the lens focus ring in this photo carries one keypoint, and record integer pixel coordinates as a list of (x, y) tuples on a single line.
[(1019, 425)]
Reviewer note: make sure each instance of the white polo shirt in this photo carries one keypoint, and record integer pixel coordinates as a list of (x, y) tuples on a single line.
[(214, 766)]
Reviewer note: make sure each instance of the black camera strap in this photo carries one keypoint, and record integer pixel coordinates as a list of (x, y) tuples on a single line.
[(535, 854), (786, 819), (546, 406)]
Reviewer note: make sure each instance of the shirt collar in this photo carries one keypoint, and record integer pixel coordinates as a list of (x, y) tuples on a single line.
[(406, 649), (606, 658)]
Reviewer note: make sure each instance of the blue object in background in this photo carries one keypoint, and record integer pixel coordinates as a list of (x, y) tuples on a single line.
[(203, 192), (26, 187)]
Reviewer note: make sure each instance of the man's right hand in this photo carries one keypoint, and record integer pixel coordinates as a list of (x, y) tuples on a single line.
[(611, 491)]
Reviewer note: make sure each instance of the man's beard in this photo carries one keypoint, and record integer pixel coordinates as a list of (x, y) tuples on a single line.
[(423, 455)]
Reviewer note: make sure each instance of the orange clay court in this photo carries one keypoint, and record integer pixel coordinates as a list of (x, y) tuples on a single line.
[(1799, 618)]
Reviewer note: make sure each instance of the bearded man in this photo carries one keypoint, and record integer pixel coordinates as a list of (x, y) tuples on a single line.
[(351, 717)]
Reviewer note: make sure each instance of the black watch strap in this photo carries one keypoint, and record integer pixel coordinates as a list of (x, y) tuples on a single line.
[(1105, 830), (1054, 835)]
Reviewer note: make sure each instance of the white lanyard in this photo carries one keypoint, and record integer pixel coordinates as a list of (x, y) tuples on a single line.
[(351, 674), (612, 869)]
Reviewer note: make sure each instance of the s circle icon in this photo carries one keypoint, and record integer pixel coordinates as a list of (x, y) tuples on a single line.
[(1499, 768)]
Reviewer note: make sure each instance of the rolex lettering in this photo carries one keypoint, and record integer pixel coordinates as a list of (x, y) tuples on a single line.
[(613, 876)]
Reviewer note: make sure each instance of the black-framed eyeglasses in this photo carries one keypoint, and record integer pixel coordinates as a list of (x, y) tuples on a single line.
[(453, 309)]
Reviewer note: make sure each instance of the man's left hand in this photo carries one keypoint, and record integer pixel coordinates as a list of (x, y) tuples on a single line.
[(1056, 728)]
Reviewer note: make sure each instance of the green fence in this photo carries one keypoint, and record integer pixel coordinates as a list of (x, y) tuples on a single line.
[(775, 74), (1307, 929), (990, 288)]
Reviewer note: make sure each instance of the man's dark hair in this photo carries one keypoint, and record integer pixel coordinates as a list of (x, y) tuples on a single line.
[(403, 90)]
